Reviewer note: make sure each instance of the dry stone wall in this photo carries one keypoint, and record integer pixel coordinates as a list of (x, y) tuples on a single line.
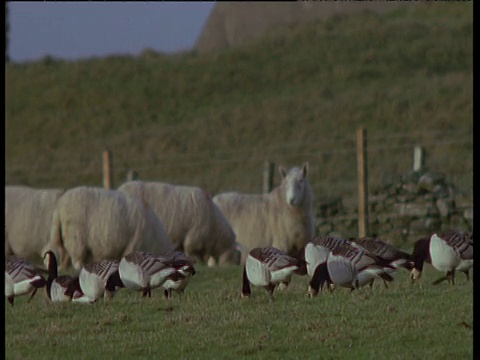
[(403, 210)]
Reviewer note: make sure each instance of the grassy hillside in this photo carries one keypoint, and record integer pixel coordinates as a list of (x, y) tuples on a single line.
[(297, 95), (211, 321)]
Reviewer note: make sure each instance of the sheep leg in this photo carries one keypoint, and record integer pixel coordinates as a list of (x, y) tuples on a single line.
[(65, 262)]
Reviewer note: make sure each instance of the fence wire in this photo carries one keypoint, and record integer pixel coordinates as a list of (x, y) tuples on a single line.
[(332, 164)]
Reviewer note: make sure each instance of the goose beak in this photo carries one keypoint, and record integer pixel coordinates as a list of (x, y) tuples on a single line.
[(415, 274), (311, 293)]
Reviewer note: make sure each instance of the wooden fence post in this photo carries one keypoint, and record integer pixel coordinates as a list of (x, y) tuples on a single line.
[(418, 158), (362, 182), (268, 171), (107, 170)]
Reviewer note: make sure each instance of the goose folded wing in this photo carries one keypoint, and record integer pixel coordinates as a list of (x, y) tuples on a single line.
[(102, 269), (21, 270), (461, 243), (153, 265)]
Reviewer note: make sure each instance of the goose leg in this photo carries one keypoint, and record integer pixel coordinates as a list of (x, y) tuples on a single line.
[(451, 276), (385, 283), (330, 287), (33, 294), (467, 274), (440, 280), (147, 291), (270, 288), (10, 299), (283, 286)]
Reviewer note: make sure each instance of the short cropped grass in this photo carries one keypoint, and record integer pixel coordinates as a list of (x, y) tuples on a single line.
[(211, 321)]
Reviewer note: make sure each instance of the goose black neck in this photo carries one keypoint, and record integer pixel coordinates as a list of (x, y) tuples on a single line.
[(52, 265), (114, 281), (52, 271), (319, 277), (421, 253), (246, 290)]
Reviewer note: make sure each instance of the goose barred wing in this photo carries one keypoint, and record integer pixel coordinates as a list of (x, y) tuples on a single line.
[(149, 263), (382, 249), (273, 259), (461, 243), (330, 242), (65, 280), (359, 257), (20, 269), (102, 269), (153, 266)]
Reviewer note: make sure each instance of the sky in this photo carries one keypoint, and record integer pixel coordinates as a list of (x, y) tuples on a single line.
[(79, 30)]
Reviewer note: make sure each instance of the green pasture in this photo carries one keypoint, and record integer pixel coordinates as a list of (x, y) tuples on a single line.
[(212, 321)]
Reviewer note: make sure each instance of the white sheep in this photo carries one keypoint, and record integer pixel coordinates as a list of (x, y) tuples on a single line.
[(28, 217), (282, 218), (192, 221), (93, 224)]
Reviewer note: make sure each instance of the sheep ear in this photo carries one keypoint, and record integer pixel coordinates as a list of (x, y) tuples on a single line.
[(282, 171), (305, 169)]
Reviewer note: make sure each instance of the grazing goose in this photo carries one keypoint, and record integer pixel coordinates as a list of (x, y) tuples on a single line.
[(269, 267), (142, 271), (466, 265), (64, 287), (178, 280), (317, 250), (445, 252), (22, 278), (387, 252), (348, 266), (94, 278)]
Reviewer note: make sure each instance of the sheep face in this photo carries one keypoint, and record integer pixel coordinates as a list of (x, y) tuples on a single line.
[(295, 184)]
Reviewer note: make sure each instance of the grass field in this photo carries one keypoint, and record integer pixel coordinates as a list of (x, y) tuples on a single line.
[(212, 120), (211, 321)]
